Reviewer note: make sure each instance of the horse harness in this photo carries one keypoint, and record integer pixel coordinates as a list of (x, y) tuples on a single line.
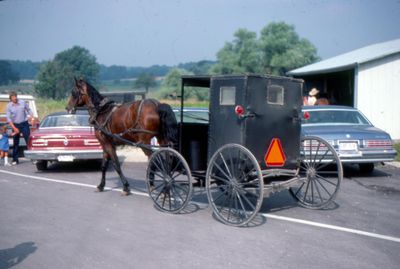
[(107, 106)]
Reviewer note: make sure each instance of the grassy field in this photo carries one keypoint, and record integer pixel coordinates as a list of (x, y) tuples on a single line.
[(397, 147), (47, 106)]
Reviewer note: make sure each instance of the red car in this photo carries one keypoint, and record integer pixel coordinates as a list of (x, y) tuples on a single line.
[(63, 137)]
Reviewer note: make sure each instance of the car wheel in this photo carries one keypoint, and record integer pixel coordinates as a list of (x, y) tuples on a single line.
[(366, 168), (41, 165)]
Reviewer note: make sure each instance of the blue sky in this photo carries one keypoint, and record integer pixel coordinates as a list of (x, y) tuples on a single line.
[(147, 32)]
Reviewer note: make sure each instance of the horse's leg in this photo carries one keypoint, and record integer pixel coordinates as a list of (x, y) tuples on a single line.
[(117, 167), (104, 167)]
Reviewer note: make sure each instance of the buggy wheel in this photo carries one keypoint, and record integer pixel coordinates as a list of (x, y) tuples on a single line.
[(320, 172), (169, 181), (234, 185)]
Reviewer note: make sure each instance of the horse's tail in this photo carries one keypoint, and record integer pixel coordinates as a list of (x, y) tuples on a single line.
[(168, 125)]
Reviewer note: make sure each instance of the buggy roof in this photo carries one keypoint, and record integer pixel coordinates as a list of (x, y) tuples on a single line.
[(196, 81), (205, 80)]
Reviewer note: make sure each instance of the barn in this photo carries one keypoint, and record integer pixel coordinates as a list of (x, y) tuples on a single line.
[(367, 78)]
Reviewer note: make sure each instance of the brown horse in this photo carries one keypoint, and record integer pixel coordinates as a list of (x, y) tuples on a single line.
[(137, 121)]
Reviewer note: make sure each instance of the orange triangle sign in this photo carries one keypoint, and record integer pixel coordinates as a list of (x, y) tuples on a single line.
[(275, 155)]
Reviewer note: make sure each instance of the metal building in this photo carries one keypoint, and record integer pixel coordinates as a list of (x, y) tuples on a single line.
[(367, 78)]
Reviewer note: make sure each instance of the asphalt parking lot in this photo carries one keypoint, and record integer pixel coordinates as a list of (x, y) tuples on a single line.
[(55, 219)]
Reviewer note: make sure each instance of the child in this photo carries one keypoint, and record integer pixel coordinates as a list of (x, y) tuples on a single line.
[(4, 146)]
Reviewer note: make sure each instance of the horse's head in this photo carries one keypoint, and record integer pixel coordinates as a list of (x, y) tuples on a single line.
[(79, 96)]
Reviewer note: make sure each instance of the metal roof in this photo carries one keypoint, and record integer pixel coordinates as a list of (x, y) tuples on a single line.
[(350, 59)]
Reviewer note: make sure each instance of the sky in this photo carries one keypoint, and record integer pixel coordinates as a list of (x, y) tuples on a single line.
[(169, 32)]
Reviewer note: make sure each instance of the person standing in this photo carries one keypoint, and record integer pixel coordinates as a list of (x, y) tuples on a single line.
[(312, 97), (18, 113), (4, 145)]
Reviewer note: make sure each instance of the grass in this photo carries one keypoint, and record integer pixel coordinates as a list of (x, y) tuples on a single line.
[(47, 106), (397, 147)]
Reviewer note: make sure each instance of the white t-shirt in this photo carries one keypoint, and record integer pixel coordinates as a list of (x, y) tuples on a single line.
[(311, 100)]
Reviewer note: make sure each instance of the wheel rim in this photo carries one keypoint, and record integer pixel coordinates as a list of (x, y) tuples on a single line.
[(169, 181), (234, 185), (320, 173)]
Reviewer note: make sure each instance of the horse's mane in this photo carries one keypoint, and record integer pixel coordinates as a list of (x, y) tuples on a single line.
[(94, 95)]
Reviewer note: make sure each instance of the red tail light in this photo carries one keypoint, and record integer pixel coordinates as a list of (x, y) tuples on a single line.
[(306, 115), (239, 110)]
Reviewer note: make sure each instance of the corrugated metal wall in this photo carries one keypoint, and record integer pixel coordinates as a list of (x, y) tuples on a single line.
[(378, 93)]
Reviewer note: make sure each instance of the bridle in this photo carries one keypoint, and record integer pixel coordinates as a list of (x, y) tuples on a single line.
[(77, 95)]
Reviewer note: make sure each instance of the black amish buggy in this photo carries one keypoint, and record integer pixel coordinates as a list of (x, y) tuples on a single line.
[(251, 147)]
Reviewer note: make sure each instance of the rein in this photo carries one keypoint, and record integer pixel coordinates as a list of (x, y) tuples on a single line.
[(120, 138), (103, 127)]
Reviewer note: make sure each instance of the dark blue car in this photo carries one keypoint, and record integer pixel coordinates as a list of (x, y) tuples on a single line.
[(352, 135)]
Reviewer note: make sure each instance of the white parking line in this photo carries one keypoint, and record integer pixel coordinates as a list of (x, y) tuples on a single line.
[(69, 182), (272, 216)]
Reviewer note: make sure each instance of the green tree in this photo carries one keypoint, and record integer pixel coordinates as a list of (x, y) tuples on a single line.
[(56, 77), (171, 85), (283, 49), (240, 56), (7, 74), (146, 81), (278, 50)]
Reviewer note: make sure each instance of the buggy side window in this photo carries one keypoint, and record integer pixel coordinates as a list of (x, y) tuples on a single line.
[(227, 95), (275, 94)]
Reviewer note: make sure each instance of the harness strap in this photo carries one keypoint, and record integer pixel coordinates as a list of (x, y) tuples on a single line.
[(132, 129)]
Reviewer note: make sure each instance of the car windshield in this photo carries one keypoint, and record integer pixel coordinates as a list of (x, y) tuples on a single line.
[(72, 120), (335, 117), (192, 116)]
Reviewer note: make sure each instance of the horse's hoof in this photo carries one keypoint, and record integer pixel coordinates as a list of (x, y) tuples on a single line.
[(126, 193), (99, 189)]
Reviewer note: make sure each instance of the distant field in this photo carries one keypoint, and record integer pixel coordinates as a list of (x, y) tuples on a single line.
[(48, 106), (22, 88)]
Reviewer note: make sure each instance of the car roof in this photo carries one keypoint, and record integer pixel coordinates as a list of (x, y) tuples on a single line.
[(191, 109), (328, 107), (60, 113)]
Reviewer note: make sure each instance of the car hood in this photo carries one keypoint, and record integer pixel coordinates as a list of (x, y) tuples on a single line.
[(63, 131), (344, 132)]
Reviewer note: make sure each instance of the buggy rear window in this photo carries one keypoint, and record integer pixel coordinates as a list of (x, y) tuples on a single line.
[(275, 94), (227, 95)]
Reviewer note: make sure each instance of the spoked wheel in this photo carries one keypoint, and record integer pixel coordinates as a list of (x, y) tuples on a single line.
[(169, 181), (320, 172), (234, 185)]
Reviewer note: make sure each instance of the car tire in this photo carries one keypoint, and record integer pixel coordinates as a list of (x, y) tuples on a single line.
[(366, 168), (41, 165)]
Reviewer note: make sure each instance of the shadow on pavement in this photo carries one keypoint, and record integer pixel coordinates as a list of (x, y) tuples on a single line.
[(12, 256)]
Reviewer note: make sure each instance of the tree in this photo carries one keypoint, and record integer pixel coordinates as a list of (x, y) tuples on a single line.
[(7, 74), (283, 49), (56, 77), (278, 50), (241, 55), (171, 85), (145, 80)]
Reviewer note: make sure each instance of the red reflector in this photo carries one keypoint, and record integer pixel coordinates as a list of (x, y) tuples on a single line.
[(275, 155), (306, 115), (239, 110)]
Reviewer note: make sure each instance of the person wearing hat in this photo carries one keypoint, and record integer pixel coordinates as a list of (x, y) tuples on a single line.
[(18, 113), (312, 97)]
